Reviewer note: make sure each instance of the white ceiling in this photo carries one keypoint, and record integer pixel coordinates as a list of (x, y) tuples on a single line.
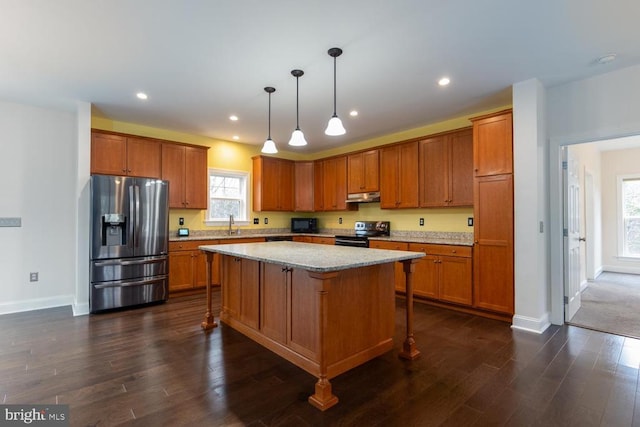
[(202, 60)]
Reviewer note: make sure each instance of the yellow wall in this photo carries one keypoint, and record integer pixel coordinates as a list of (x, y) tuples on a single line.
[(237, 156)]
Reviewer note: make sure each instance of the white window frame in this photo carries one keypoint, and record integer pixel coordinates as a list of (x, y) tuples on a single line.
[(244, 203), (619, 214)]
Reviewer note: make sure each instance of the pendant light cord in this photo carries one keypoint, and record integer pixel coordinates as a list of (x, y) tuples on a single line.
[(269, 115), (297, 107), (334, 87)]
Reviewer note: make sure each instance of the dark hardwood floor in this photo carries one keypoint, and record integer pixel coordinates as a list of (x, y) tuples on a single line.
[(155, 367)]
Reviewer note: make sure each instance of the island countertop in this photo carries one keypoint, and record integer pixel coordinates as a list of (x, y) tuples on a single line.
[(312, 257)]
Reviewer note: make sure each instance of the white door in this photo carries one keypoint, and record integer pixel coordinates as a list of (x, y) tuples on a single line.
[(571, 234)]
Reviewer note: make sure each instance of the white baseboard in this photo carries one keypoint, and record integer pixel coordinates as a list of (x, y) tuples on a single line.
[(80, 309), (619, 269), (35, 304), (584, 285), (531, 324)]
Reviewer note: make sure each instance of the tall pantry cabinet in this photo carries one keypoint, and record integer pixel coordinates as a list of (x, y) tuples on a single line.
[(493, 257)]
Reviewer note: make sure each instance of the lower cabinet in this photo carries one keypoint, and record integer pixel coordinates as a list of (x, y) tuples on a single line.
[(398, 269), (188, 265), (315, 239), (444, 274), (241, 295)]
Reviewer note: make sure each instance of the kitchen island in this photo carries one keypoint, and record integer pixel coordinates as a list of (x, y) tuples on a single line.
[(326, 309)]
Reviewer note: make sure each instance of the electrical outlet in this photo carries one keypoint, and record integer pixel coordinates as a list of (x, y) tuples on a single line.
[(340, 220), (266, 220), (33, 277), (421, 222), (470, 221), (181, 221), (256, 221)]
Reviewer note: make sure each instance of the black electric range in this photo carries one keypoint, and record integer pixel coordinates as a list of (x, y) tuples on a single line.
[(362, 231)]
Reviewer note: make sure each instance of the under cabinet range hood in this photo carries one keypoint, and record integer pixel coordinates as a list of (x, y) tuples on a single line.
[(363, 197)]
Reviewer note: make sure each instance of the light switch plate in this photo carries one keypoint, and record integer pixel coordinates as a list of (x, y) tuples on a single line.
[(10, 222)]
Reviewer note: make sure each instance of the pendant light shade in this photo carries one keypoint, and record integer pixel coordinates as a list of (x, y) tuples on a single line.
[(334, 127), (269, 146), (297, 137)]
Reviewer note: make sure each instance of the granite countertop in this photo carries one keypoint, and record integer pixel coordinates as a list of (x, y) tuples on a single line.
[(437, 238), (312, 257)]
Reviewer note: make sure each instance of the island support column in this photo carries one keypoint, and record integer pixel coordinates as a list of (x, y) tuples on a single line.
[(209, 323), (323, 398), (409, 350)]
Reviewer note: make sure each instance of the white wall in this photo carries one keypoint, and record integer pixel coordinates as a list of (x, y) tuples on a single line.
[(37, 183), (614, 164), (602, 107), (531, 207)]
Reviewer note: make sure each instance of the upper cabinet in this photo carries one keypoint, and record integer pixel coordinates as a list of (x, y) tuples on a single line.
[(398, 176), (185, 167), (446, 170), (363, 175), (493, 140), (272, 184), (304, 185), (331, 184), (113, 154)]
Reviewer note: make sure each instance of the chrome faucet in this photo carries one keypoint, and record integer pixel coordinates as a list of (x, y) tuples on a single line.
[(230, 223)]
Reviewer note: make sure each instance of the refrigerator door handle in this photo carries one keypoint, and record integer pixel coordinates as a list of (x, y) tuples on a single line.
[(124, 283), (136, 203), (132, 216), (134, 262)]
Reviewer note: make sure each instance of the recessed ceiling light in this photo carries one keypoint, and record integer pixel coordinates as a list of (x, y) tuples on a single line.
[(236, 137), (233, 118), (353, 113), (606, 58), (141, 95), (444, 81)]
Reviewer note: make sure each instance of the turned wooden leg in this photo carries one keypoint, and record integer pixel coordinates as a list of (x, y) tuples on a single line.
[(208, 323), (323, 398), (409, 350)]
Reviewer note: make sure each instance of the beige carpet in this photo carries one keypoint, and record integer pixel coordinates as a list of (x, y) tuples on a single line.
[(611, 303)]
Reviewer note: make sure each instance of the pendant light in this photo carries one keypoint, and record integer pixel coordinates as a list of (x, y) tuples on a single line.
[(334, 127), (269, 146), (297, 137)]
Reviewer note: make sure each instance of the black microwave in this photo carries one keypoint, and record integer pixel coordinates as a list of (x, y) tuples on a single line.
[(304, 225)]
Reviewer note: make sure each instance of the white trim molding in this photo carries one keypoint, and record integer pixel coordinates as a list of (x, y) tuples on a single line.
[(36, 304), (530, 324)]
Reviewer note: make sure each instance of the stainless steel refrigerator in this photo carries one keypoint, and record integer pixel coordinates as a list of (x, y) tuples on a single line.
[(129, 233)]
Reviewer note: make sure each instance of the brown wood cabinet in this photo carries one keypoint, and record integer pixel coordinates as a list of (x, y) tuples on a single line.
[(272, 184), (493, 249), (493, 144), (399, 176), (446, 170), (240, 296), (322, 240), (115, 154), (304, 185), (185, 167), (493, 267), (362, 172), (188, 265), (445, 273), (398, 269), (331, 182), (274, 284)]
